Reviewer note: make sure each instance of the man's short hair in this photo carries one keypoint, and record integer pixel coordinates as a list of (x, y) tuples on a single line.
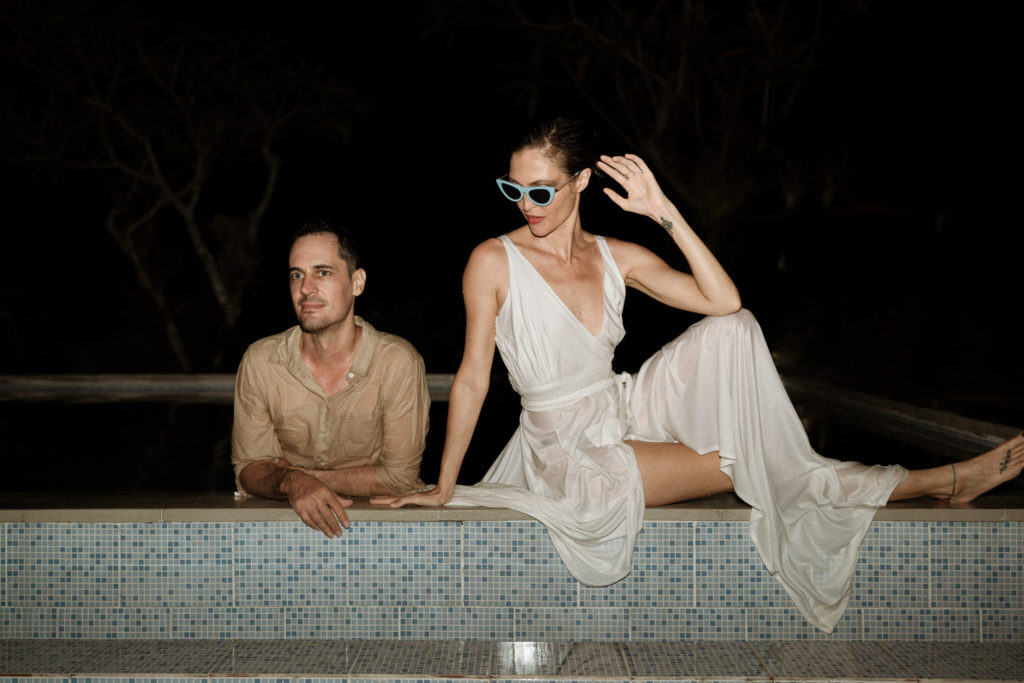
[(346, 242)]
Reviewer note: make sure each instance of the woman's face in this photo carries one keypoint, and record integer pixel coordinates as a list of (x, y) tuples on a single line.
[(533, 166)]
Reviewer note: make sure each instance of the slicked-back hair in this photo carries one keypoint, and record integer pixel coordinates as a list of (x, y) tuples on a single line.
[(566, 140), (346, 242)]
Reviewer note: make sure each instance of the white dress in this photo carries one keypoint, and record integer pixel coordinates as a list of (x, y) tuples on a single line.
[(714, 388)]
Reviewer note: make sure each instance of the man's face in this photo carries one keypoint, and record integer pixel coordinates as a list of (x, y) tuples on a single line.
[(322, 289)]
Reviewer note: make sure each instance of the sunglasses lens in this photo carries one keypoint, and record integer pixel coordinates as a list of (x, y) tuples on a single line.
[(510, 191), (541, 196)]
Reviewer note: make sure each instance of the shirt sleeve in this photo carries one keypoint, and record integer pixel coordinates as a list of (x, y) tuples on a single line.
[(406, 418), (252, 431)]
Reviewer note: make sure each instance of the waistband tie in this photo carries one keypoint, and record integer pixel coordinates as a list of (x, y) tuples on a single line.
[(554, 396)]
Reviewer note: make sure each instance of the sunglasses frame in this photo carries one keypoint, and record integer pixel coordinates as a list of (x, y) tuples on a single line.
[(525, 191)]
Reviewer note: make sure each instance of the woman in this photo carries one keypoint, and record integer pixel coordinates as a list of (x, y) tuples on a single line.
[(706, 414)]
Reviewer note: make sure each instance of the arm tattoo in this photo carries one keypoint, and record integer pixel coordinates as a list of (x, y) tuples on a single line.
[(667, 224)]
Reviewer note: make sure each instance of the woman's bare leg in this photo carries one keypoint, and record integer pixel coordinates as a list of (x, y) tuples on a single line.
[(673, 472), (973, 477)]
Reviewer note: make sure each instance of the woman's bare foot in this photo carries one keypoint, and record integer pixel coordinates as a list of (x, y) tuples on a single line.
[(988, 470)]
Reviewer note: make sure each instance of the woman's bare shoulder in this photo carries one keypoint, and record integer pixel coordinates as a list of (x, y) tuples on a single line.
[(627, 253), (488, 261), (488, 252)]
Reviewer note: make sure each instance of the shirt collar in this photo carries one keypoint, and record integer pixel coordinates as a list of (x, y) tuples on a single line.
[(366, 350), (290, 354)]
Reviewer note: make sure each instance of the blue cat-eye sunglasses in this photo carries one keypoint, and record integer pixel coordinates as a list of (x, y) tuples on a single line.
[(540, 195)]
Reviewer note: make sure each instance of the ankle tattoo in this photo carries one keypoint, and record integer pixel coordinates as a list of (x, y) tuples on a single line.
[(1005, 463)]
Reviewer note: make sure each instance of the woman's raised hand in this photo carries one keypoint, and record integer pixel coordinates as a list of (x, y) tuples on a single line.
[(643, 195)]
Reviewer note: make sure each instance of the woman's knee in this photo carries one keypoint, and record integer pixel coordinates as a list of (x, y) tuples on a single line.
[(742, 320)]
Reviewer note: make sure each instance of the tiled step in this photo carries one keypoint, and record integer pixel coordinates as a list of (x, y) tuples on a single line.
[(352, 660)]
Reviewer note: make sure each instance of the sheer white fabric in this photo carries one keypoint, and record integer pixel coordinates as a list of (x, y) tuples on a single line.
[(714, 388)]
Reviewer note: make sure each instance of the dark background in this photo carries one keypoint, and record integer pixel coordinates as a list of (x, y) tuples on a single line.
[(886, 263)]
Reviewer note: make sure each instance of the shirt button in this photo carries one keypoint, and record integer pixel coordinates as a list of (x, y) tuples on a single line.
[(351, 375), (323, 435)]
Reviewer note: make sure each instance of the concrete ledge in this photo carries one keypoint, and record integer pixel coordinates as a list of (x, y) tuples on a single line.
[(224, 507)]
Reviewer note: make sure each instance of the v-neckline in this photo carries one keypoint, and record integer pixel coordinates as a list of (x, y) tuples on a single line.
[(554, 294)]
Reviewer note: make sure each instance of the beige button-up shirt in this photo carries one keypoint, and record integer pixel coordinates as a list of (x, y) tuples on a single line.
[(380, 418)]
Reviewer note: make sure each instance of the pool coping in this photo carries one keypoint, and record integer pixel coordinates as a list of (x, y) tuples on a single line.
[(133, 507)]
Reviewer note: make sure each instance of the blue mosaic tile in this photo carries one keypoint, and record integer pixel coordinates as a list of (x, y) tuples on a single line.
[(351, 623), (491, 580), (547, 623), (664, 565), (176, 565), (664, 624), (621, 594), (228, 622), (789, 624), (513, 564), (457, 623), (404, 564), (145, 622), (283, 564), (28, 622), (205, 622), (562, 624), (120, 622), (89, 622), (729, 571), (62, 565), (892, 568), (603, 624), (1002, 625), (977, 565), (923, 625), (260, 622), (662, 574)]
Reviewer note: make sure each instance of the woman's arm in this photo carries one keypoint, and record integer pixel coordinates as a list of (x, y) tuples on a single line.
[(709, 290), (483, 285)]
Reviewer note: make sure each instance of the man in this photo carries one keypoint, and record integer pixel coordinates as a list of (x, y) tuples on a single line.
[(331, 407)]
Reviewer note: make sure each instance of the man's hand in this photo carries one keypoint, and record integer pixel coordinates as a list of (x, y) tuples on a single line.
[(317, 506)]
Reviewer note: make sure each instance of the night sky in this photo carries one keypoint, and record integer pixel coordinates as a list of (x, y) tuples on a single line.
[(900, 283)]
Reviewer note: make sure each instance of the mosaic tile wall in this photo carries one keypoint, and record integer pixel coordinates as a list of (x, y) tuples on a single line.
[(943, 581)]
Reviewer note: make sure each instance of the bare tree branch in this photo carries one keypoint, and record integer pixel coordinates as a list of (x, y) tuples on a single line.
[(158, 113)]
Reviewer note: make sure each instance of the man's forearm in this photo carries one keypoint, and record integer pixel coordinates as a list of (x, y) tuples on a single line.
[(352, 481), (263, 478)]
